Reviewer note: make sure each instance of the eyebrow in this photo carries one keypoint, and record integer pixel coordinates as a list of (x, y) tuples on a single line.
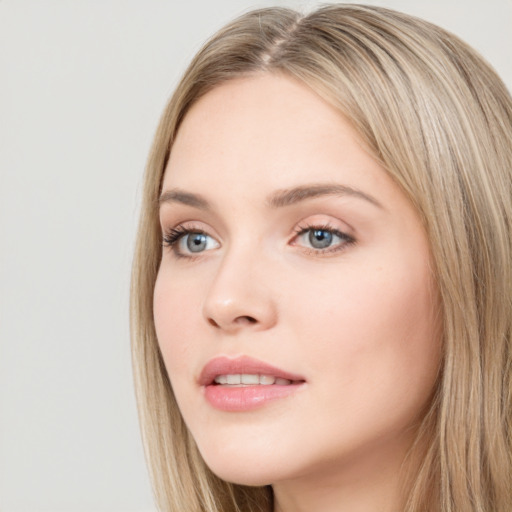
[(180, 196), (295, 195), (278, 199)]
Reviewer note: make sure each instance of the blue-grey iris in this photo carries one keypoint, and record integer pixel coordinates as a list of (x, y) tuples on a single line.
[(320, 238), (196, 242)]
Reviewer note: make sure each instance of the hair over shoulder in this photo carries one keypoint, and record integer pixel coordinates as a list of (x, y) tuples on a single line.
[(437, 117)]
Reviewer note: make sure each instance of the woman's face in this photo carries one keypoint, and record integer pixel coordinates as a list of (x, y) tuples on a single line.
[(294, 306)]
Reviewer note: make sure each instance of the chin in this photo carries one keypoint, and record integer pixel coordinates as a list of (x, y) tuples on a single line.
[(239, 466), (237, 473)]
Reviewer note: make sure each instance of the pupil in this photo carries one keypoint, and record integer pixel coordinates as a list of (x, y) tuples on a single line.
[(196, 242), (319, 238)]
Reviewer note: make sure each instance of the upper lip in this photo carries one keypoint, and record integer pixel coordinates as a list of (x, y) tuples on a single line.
[(241, 365)]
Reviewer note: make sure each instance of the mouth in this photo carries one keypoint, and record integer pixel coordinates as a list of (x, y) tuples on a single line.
[(244, 383), (245, 371), (250, 379)]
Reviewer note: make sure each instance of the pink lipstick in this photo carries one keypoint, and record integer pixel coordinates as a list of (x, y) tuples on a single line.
[(244, 383)]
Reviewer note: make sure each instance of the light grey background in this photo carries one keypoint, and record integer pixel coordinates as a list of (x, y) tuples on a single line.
[(82, 84)]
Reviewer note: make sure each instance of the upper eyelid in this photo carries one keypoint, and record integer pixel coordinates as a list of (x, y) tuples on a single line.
[(183, 229), (177, 214), (304, 224), (328, 222), (188, 226)]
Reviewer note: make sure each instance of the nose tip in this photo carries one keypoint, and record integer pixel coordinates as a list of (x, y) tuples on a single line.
[(231, 305)]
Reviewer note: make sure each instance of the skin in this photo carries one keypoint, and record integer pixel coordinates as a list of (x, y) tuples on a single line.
[(356, 319)]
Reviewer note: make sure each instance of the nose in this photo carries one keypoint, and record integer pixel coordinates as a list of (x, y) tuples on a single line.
[(239, 296)]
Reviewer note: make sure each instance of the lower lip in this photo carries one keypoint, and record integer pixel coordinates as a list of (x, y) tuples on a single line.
[(246, 398)]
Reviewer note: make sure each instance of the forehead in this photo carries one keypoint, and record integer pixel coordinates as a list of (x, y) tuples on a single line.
[(264, 129)]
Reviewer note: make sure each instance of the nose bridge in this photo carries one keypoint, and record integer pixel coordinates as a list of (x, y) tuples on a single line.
[(240, 294)]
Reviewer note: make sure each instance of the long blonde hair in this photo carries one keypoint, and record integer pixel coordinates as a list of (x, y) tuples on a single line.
[(439, 120)]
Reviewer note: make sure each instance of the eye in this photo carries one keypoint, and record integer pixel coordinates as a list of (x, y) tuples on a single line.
[(186, 242), (322, 239)]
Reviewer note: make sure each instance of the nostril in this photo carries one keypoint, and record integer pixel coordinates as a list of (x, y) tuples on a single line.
[(245, 320), (232, 323)]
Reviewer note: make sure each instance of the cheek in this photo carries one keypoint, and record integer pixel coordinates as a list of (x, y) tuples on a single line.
[(372, 334), (368, 306), (174, 311)]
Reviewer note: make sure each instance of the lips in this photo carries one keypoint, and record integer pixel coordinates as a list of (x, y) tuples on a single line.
[(223, 366), (244, 383)]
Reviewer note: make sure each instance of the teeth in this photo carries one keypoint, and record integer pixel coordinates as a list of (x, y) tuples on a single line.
[(233, 379), (250, 379), (267, 380), (221, 379)]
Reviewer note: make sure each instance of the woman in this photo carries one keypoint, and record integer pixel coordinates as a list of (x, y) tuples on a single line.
[(321, 306)]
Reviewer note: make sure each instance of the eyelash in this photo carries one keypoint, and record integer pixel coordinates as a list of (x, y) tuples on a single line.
[(347, 240), (172, 237), (174, 234)]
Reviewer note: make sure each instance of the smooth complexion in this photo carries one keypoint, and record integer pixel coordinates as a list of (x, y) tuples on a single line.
[(258, 165)]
